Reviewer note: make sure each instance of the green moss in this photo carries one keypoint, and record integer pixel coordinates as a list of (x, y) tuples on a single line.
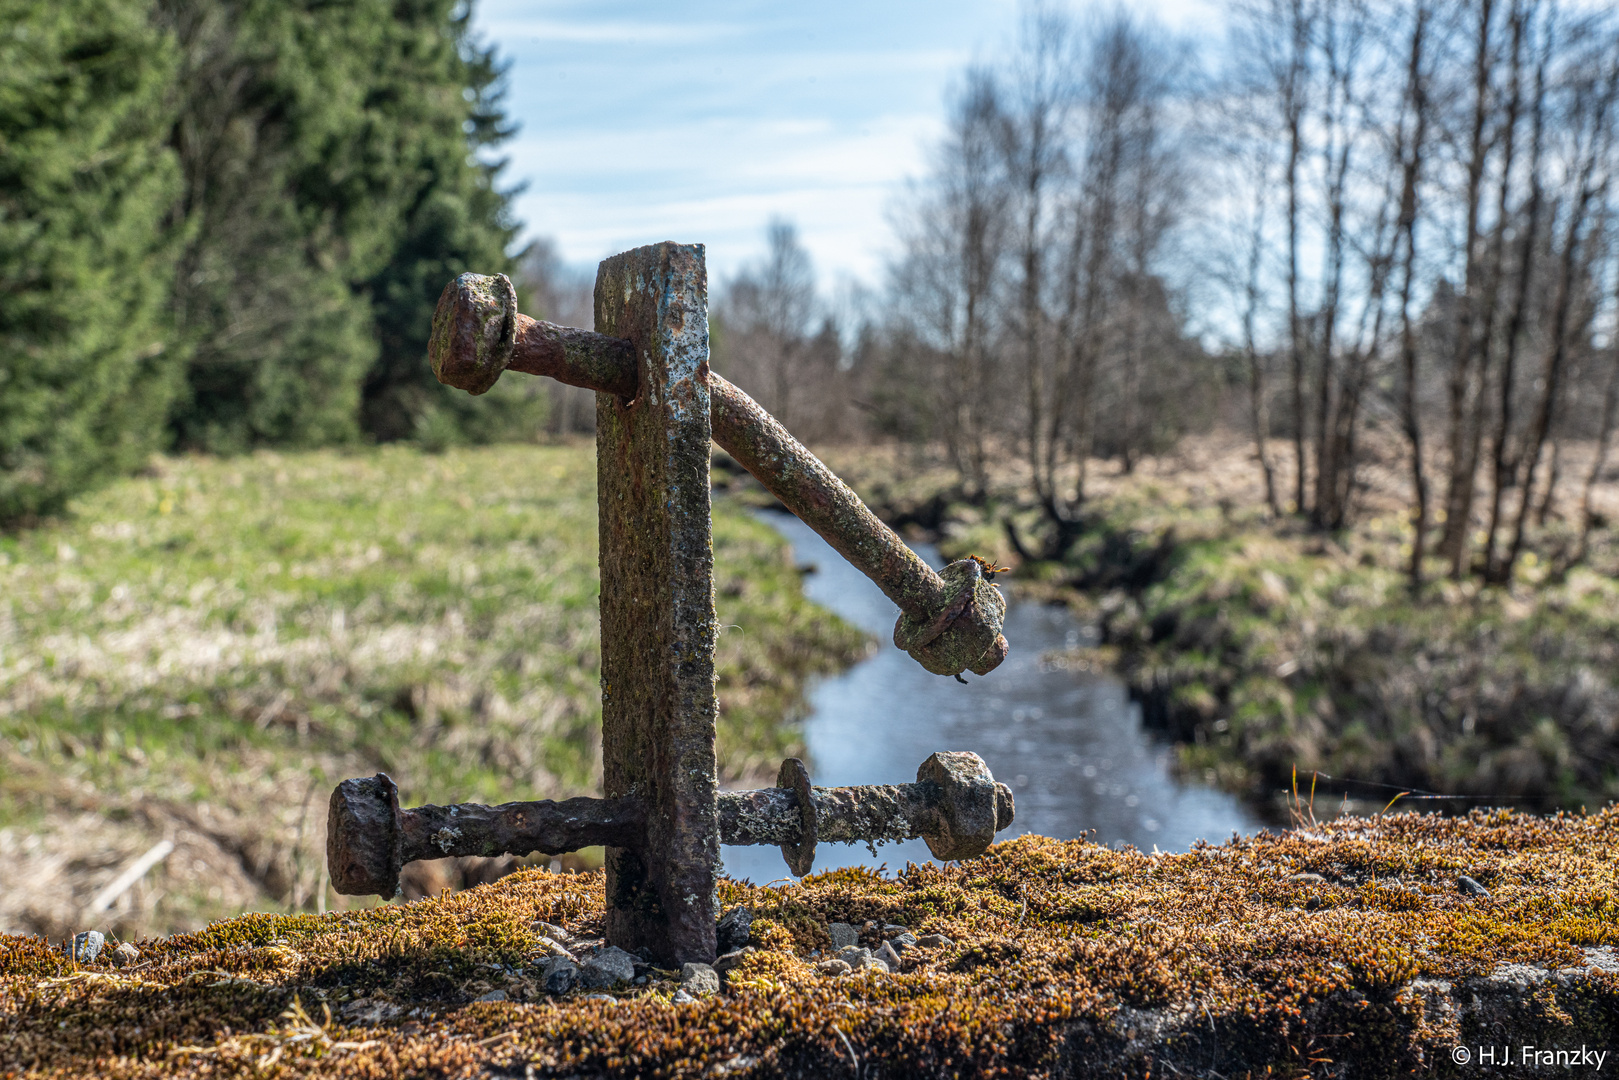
[(1067, 957)]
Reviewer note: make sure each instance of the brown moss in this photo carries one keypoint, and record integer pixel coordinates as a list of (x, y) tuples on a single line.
[(1067, 959)]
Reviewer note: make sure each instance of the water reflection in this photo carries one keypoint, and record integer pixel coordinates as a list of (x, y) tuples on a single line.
[(1069, 744)]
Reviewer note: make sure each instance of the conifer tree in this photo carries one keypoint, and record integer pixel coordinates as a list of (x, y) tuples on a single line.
[(87, 368)]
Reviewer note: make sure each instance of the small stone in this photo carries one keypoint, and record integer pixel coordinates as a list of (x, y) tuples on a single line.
[(888, 956), (1308, 879), (894, 930), (934, 941), (552, 947), (1471, 887), (734, 929), (125, 953), (493, 995), (609, 998), (843, 935), (86, 946), (871, 963), (851, 953), (833, 967), (731, 960), (699, 979), (606, 968), (682, 998), (550, 930), (558, 975), (904, 941)]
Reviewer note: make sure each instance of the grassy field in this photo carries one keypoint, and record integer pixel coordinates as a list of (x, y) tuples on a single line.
[(199, 654), (1262, 646)]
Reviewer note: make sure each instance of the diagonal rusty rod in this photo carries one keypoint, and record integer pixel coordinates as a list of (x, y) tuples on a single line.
[(470, 338)]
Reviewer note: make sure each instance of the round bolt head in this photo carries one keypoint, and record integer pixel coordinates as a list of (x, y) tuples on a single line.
[(474, 331), (363, 836), (969, 806)]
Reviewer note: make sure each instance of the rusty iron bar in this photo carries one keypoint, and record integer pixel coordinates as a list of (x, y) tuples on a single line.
[(949, 622), (369, 838), (955, 805)]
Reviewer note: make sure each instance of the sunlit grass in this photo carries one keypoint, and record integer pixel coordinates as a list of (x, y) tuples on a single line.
[(241, 633)]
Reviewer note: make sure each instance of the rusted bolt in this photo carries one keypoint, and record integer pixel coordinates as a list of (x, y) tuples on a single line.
[(369, 838), (949, 624), (955, 805)]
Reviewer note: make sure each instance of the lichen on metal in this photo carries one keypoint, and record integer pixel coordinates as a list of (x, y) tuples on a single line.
[(657, 602)]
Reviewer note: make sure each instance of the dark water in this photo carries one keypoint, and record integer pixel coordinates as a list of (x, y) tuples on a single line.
[(1070, 744)]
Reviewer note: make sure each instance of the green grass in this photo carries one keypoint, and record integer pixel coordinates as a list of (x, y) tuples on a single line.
[(222, 640)]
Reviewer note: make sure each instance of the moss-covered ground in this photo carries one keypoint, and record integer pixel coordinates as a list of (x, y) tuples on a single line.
[(1345, 950), (201, 653), (1264, 647)]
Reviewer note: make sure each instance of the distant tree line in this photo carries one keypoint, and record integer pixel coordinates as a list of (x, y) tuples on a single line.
[(1431, 243), (1386, 232), (224, 223)]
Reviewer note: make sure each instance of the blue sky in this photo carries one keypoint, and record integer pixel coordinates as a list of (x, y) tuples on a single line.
[(698, 122)]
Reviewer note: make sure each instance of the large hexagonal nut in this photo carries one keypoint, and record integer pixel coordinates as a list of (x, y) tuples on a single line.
[(966, 634), (971, 807), (364, 837), (474, 331)]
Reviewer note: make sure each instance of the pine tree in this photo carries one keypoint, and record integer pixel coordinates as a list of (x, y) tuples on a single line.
[(87, 369)]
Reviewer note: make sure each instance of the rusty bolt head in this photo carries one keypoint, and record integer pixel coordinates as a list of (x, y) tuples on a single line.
[(364, 833), (966, 634), (474, 331), (971, 809)]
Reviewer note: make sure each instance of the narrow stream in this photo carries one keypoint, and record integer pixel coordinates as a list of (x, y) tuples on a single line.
[(1070, 744)]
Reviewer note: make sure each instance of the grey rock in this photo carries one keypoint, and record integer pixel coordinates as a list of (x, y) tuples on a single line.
[(888, 956), (609, 998), (86, 946), (731, 960), (904, 941), (734, 929), (850, 953), (869, 963), (550, 946), (933, 941), (843, 935), (895, 929), (124, 954), (682, 998), (1471, 887), (551, 930), (1308, 879), (558, 975), (606, 968), (493, 995), (833, 967), (699, 979)]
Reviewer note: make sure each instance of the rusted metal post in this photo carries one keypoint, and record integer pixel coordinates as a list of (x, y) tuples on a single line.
[(949, 622), (662, 819), (657, 602)]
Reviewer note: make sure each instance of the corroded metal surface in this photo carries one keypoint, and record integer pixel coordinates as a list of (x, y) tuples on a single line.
[(657, 603), (800, 850), (955, 805), (949, 623), (369, 838)]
